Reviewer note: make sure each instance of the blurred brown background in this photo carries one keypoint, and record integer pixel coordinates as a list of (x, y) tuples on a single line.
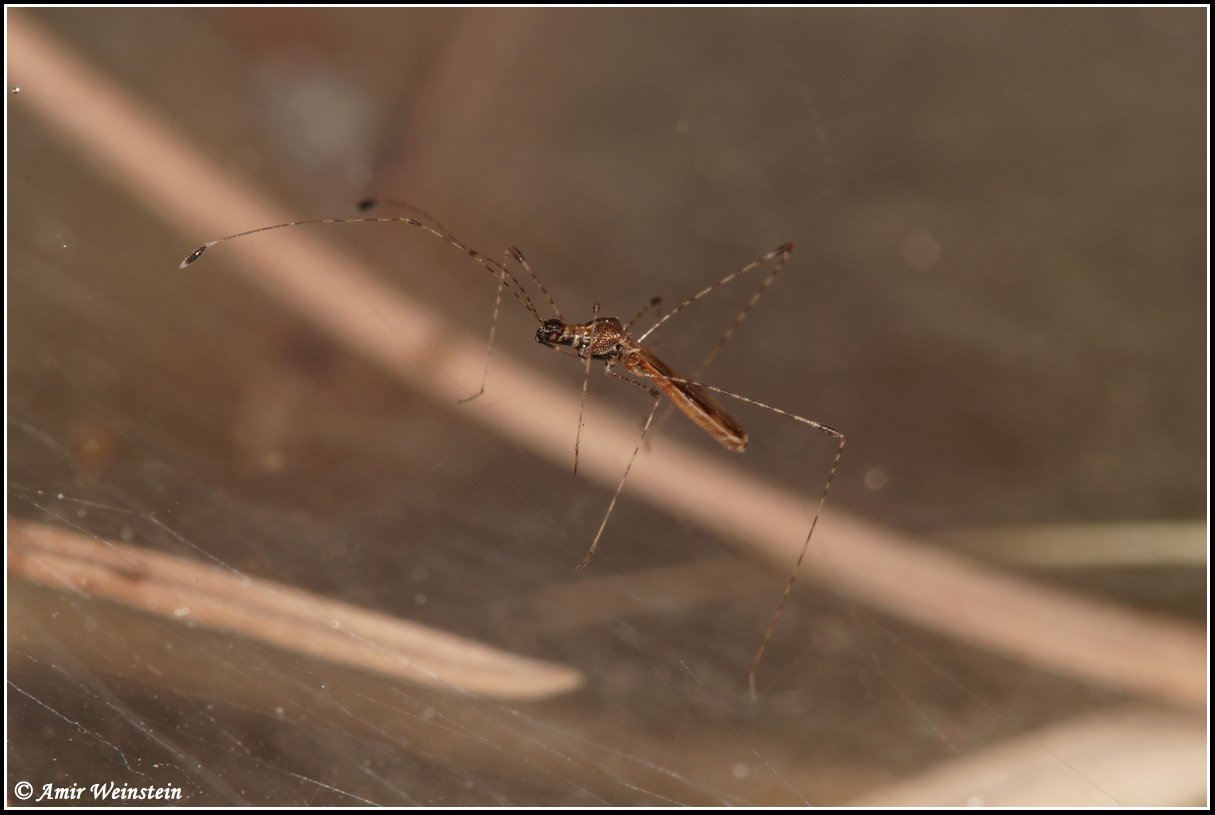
[(998, 294)]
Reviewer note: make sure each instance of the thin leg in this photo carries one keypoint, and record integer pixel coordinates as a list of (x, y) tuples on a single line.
[(830, 431), (493, 327), (371, 203), (782, 253), (586, 381), (654, 303), (620, 486), (805, 547)]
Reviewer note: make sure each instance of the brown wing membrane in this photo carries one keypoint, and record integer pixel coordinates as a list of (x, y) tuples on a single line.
[(694, 401)]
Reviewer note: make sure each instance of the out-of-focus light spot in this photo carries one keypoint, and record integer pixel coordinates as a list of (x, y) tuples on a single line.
[(921, 251)]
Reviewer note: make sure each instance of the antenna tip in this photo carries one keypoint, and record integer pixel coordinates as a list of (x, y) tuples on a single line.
[(195, 255)]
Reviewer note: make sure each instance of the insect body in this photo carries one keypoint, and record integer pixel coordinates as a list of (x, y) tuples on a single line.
[(608, 340), (605, 338)]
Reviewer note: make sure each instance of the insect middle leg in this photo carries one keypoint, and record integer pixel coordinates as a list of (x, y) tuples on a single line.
[(655, 398)]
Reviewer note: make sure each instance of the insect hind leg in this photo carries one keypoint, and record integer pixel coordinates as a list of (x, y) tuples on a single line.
[(822, 502)]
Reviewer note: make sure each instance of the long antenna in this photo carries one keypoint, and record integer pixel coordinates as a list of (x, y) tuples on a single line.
[(499, 272)]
